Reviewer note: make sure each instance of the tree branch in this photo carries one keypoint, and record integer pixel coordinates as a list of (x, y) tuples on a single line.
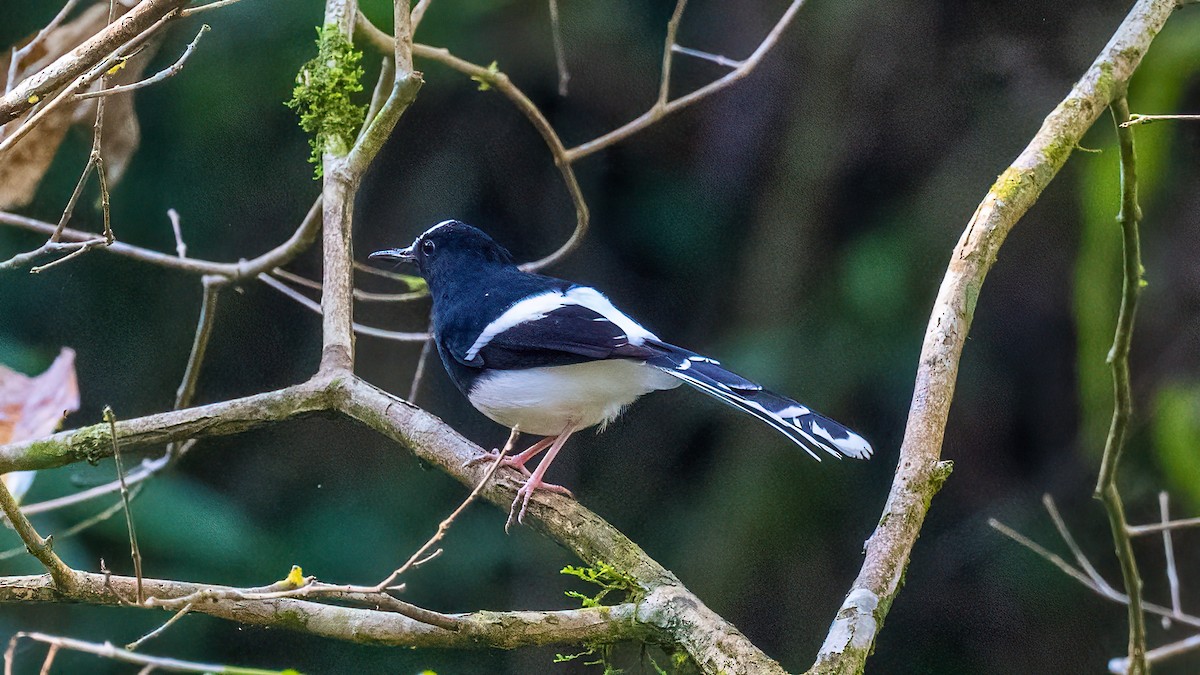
[(920, 472), (92, 443), (1118, 358), (72, 64), (503, 630)]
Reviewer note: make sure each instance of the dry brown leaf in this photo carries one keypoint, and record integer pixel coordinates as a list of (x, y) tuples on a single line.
[(31, 407)]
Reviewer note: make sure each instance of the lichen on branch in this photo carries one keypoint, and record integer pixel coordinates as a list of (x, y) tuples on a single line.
[(323, 95)]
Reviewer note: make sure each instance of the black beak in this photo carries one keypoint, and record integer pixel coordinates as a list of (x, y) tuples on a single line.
[(397, 254)]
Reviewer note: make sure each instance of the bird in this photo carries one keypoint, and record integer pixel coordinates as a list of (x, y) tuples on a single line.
[(549, 357)]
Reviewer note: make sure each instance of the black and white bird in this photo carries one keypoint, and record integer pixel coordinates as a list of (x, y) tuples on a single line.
[(549, 357)]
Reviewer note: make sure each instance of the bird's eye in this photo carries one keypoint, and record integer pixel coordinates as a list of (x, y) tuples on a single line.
[(427, 247)]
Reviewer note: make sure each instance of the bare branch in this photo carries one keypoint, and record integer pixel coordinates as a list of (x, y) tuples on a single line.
[(180, 247), (560, 52), (161, 75), (1164, 508), (134, 552), (217, 419), (96, 72), (132, 646), (920, 472), (19, 54), (1136, 119), (357, 327), (662, 107), (40, 548), (1138, 530), (1069, 540), (110, 651), (1106, 592), (1118, 358), (664, 86), (715, 58), (204, 8), (74, 63), (300, 240), (504, 630), (422, 363), (1121, 666), (418, 12)]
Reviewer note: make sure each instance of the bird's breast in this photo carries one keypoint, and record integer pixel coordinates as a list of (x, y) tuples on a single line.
[(543, 401)]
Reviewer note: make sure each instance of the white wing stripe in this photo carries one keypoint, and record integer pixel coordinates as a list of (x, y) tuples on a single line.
[(537, 307), (530, 309), (595, 301)]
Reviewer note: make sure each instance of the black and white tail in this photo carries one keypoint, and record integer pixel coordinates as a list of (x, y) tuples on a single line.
[(809, 430)]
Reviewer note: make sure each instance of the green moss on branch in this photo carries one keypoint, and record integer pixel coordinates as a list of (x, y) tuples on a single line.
[(323, 95)]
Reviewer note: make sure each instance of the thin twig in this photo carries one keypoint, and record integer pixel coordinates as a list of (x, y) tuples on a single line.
[(108, 650), (161, 75), (134, 552), (365, 296), (1138, 530), (148, 468), (132, 646), (422, 362), (19, 54), (664, 85), (658, 111), (180, 247), (560, 52), (715, 58), (358, 328), (1164, 507), (98, 71), (1069, 540), (212, 286), (1121, 666), (420, 555), (40, 548), (300, 240), (95, 55), (48, 662), (84, 524), (204, 8), (1136, 119), (76, 249), (1107, 593), (418, 12), (1118, 358)]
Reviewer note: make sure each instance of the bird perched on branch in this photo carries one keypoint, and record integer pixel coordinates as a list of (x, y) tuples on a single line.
[(550, 357)]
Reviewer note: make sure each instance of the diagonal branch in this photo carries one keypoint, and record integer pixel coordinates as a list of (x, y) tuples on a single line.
[(921, 472)]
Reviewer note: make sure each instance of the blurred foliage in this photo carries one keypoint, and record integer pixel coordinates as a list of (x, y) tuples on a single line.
[(796, 226)]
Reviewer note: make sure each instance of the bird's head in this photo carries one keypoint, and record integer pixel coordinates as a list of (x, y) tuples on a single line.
[(447, 246)]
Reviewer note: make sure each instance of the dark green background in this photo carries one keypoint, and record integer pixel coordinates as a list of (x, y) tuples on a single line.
[(796, 226)]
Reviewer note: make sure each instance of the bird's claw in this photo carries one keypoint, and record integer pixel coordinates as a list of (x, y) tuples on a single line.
[(524, 494), (493, 455)]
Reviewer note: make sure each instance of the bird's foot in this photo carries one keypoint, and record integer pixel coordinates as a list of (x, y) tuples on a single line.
[(491, 456), (524, 494)]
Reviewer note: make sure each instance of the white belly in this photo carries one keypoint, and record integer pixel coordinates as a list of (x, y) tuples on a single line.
[(542, 401)]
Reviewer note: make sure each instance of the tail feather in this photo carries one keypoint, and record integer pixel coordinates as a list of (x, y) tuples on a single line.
[(811, 431)]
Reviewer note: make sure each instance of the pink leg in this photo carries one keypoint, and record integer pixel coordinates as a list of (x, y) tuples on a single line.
[(535, 481), (516, 461)]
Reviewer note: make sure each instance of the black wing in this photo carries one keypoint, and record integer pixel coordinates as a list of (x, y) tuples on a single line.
[(563, 336)]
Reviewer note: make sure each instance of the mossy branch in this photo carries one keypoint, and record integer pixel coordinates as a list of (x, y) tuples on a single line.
[(323, 96)]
